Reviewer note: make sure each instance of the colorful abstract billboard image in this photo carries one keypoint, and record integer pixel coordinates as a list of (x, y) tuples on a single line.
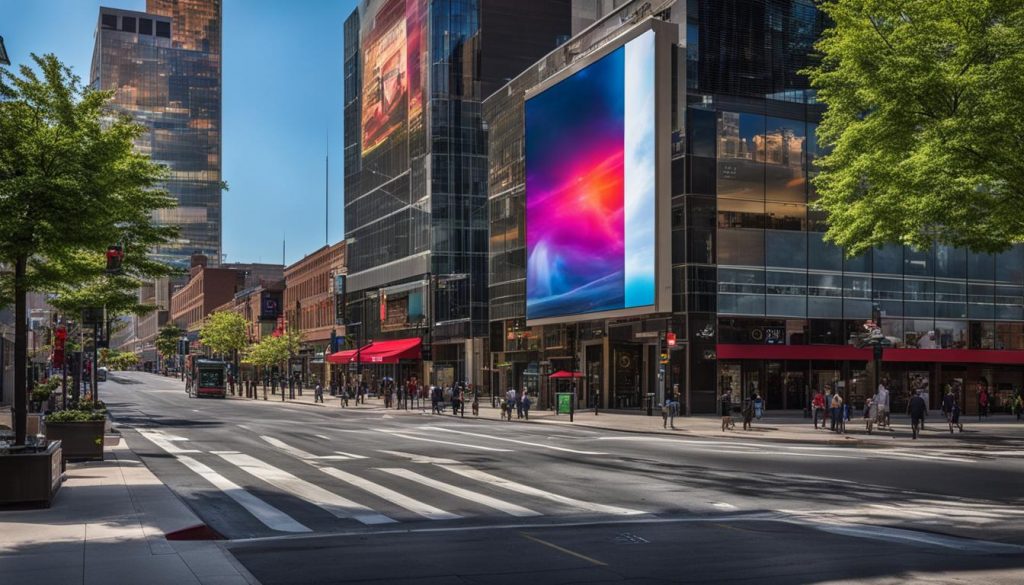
[(591, 188)]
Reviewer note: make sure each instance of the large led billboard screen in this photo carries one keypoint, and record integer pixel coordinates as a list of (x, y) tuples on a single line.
[(593, 190), (392, 49)]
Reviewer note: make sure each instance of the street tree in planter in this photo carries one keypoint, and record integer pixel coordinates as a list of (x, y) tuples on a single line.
[(224, 332), (71, 183)]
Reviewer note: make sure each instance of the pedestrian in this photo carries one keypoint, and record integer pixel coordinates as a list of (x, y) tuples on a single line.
[(818, 408), (748, 414), (291, 387), (726, 406), (982, 400), (758, 406), (836, 408), (510, 402), (526, 404), (916, 409), (1018, 405), (882, 402), (456, 400), (318, 393), (519, 404), (674, 408)]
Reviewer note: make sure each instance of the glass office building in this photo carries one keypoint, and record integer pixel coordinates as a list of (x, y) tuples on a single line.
[(416, 168), (164, 66), (760, 301)]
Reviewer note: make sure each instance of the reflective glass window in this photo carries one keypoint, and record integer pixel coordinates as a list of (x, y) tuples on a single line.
[(128, 24), (1010, 265), (920, 333), (951, 299), (741, 155), (824, 295), (982, 334), (741, 247), (822, 255), (1009, 335), (888, 293), (786, 249), (786, 216), (918, 297), (888, 259), (145, 26), (950, 262), (741, 291), (163, 29), (980, 299), (740, 213), (785, 165), (1009, 302), (980, 266), (918, 262), (951, 334)]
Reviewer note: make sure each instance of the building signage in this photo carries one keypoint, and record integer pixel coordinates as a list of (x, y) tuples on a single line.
[(768, 335), (339, 299)]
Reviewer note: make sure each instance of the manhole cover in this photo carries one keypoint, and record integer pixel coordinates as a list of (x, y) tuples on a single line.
[(630, 538)]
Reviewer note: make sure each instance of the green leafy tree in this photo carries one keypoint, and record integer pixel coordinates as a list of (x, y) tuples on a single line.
[(224, 332), (167, 340), (924, 126), (71, 184)]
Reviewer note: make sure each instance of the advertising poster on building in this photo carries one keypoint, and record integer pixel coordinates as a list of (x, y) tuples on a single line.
[(591, 178), (391, 70)]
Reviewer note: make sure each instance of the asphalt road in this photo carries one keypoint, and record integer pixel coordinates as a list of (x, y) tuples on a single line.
[(331, 495)]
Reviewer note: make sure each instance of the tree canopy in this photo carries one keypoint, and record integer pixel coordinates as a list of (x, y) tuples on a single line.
[(167, 339), (224, 332), (924, 123)]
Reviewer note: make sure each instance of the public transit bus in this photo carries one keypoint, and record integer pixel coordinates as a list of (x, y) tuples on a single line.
[(209, 378)]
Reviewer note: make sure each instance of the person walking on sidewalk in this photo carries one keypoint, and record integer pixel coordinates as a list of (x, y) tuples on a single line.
[(1017, 405), (982, 400), (836, 408), (726, 405), (318, 393), (882, 402), (526, 405), (758, 403), (748, 414), (818, 408), (916, 409), (510, 402)]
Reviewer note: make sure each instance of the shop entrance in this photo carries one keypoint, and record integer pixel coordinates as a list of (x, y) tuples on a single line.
[(627, 391)]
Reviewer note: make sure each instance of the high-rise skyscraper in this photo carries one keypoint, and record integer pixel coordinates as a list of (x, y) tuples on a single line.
[(164, 66), (416, 72)]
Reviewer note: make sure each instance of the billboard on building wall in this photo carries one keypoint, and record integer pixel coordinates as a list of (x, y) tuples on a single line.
[(597, 192), (392, 47)]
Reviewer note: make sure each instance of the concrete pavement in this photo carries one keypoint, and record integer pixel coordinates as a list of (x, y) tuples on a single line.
[(997, 431), (107, 526)]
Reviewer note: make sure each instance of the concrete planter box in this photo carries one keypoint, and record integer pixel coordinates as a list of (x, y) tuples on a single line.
[(31, 478), (81, 440)]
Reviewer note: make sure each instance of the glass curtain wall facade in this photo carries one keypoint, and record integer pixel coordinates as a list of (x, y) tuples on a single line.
[(164, 66), (416, 163), (760, 301)]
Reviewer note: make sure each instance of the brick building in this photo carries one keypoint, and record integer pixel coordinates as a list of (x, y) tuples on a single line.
[(309, 305)]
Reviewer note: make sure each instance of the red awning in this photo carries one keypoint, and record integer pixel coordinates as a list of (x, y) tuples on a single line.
[(728, 351), (565, 374), (390, 351), (342, 357)]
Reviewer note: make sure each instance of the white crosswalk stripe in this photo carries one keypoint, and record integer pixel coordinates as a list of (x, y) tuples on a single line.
[(312, 493), (270, 516), (401, 500), (484, 500), (522, 488), (165, 442), (517, 441)]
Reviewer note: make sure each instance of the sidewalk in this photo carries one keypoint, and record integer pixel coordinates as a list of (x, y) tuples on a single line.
[(788, 427), (107, 526)]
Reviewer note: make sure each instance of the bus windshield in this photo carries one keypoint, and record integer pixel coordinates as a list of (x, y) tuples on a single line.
[(211, 378)]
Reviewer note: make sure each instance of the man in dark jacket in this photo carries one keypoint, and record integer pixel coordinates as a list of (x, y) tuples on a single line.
[(916, 409)]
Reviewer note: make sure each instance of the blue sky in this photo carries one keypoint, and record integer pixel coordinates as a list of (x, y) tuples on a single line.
[(282, 94)]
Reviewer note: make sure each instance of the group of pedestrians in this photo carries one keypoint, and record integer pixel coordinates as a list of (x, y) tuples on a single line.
[(518, 402)]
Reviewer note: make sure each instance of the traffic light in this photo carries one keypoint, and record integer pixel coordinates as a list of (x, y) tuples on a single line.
[(671, 338), (115, 255)]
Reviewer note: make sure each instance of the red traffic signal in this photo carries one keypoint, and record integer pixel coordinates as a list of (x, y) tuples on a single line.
[(671, 339), (115, 255)]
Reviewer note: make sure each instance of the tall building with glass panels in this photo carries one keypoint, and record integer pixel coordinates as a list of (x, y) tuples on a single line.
[(415, 74), (164, 67), (761, 302)]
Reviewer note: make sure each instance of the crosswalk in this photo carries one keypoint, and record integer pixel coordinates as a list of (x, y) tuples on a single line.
[(373, 488)]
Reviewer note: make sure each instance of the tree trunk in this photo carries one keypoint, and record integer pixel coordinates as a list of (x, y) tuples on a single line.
[(20, 351)]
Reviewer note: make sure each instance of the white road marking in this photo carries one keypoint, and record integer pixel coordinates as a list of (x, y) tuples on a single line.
[(304, 455), (500, 505), (164, 442), (415, 438), (324, 437), (290, 484), (269, 515), (510, 440), (521, 488), (351, 455), (401, 500), (723, 506), (419, 458)]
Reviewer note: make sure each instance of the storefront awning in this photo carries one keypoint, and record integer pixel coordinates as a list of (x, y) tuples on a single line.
[(391, 351), (731, 351), (564, 374), (342, 357)]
